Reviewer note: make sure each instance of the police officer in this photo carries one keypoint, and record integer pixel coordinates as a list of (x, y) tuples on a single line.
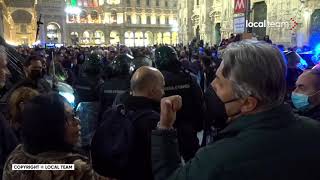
[(181, 82), (118, 81), (88, 82), (135, 64)]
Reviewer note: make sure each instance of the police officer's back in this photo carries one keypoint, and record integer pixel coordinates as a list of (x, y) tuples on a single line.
[(117, 82), (88, 82), (180, 82)]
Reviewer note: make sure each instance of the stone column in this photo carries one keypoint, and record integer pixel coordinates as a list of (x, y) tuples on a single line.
[(64, 30), (107, 36), (121, 35)]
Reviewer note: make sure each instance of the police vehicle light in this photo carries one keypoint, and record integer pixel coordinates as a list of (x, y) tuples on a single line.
[(303, 64), (69, 97), (317, 49)]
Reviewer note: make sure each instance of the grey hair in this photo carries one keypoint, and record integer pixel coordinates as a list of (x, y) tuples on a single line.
[(3, 53), (256, 69)]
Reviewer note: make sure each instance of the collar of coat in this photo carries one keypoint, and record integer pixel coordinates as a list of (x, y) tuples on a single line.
[(275, 118)]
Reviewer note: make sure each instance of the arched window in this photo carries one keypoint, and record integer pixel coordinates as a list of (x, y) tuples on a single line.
[(149, 41), (87, 37), (167, 38), (99, 37), (139, 39), (114, 37), (53, 33), (74, 38), (129, 39)]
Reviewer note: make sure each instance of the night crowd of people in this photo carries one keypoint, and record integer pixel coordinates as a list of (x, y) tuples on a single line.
[(239, 110)]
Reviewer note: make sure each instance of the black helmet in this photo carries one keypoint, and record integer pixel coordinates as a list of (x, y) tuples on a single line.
[(166, 58), (121, 65), (138, 62), (92, 66)]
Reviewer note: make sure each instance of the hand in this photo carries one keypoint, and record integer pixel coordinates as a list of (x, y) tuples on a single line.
[(169, 107)]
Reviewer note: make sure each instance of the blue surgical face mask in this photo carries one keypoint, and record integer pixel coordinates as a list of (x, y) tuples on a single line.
[(300, 101)]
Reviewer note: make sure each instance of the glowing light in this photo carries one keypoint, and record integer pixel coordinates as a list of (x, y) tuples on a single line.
[(74, 3), (317, 49), (315, 58), (12, 43), (175, 29), (73, 10), (303, 64), (36, 43), (69, 97)]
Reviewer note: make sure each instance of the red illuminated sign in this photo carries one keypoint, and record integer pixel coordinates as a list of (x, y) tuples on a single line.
[(240, 6)]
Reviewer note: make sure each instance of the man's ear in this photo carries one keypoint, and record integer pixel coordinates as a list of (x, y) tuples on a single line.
[(315, 100), (249, 104)]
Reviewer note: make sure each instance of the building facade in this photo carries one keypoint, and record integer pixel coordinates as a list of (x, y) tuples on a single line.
[(212, 20), (18, 21), (129, 22)]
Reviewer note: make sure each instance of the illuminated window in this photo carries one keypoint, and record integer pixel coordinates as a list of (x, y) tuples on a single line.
[(159, 38), (166, 38), (87, 37), (74, 34), (53, 33), (148, 39), (174, 39), (114, 37), (101, 2), (113, 2), (139, 39), (99, 37), (129, 39), (74, 37)]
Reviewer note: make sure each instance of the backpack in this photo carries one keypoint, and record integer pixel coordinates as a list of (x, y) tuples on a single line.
[(113, 141)]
